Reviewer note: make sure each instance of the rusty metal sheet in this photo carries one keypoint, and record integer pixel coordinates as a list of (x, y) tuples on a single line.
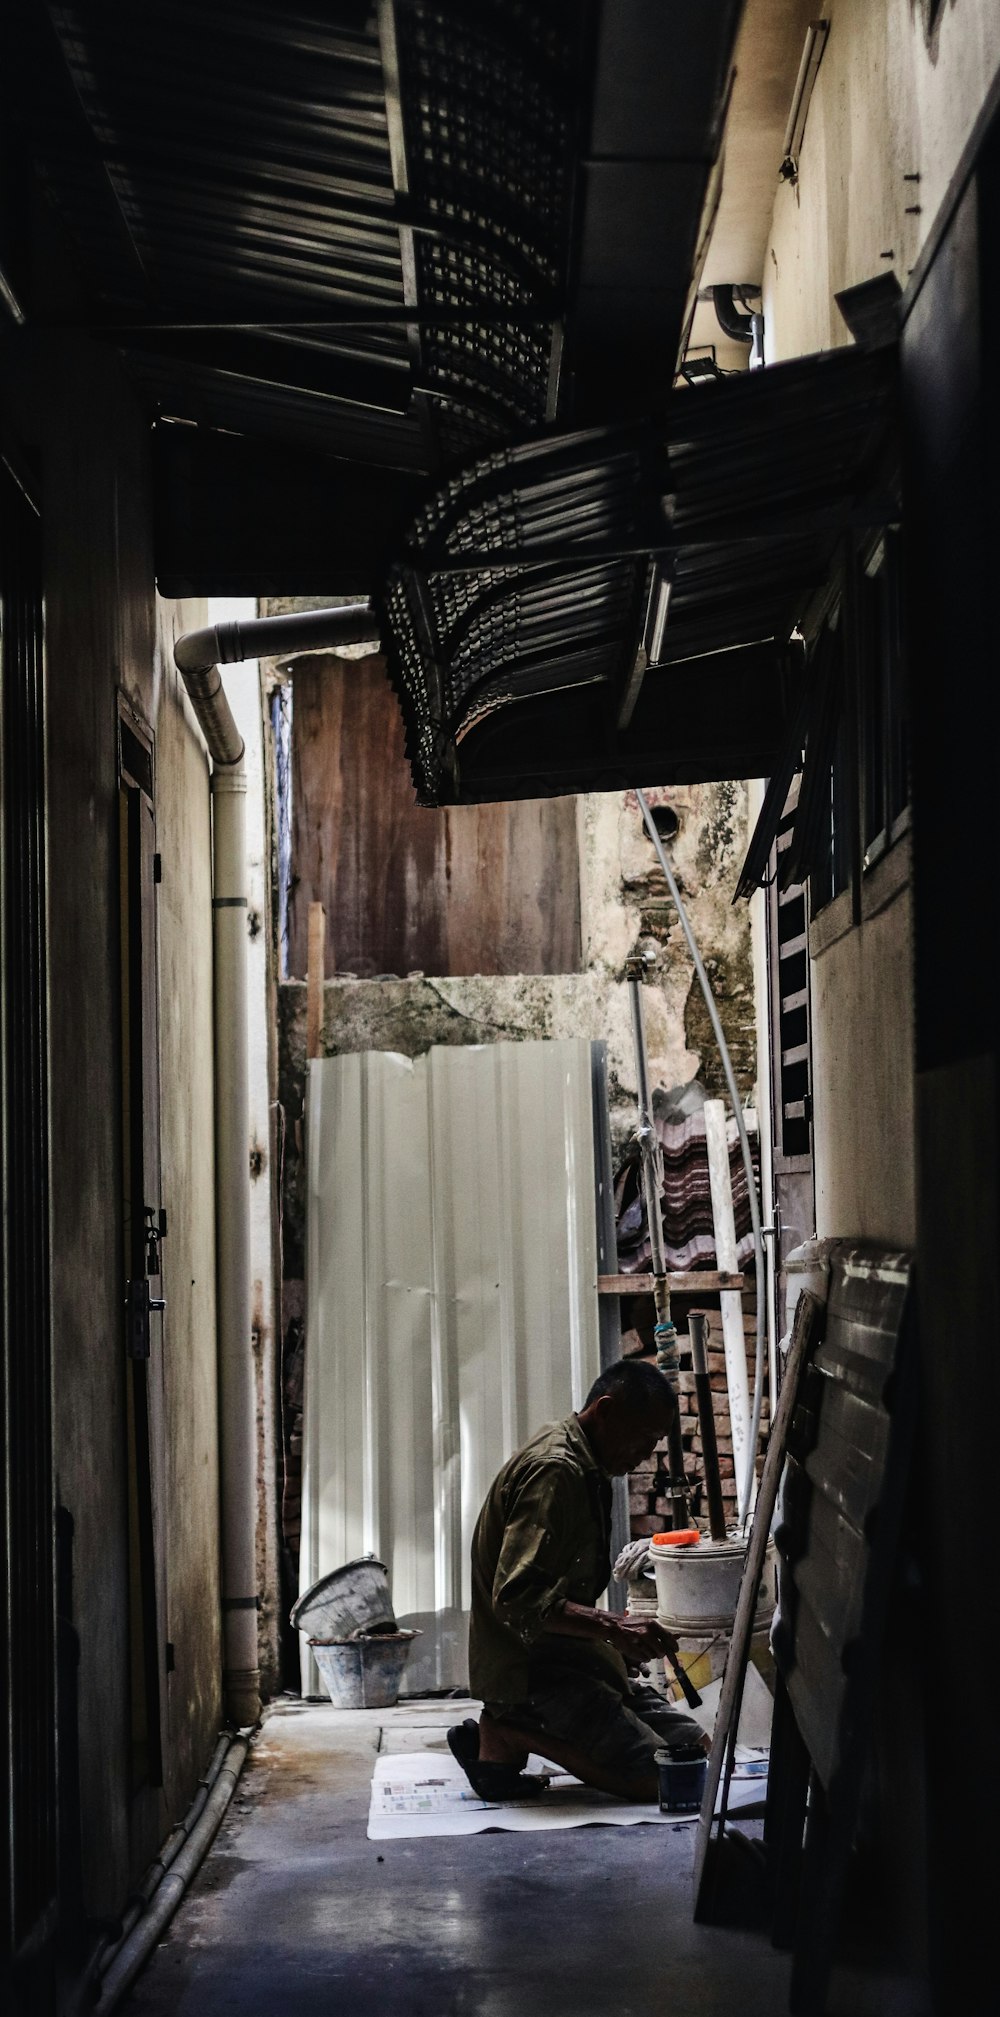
[(490, 889)]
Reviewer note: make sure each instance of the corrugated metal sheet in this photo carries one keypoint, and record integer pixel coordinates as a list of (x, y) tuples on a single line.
[(394, 232), (522, 582), (452, 1305), (354, 215)]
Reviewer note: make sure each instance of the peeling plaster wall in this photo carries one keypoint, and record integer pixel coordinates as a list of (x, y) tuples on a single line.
[(625, 906), (892, 98)]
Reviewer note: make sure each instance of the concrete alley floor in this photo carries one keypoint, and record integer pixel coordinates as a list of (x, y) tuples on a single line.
[(294, 1912)]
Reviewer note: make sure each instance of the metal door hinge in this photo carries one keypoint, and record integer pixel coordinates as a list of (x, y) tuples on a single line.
[(139, 1305)]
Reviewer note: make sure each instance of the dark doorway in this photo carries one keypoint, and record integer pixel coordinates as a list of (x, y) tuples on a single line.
[(29, 1838)]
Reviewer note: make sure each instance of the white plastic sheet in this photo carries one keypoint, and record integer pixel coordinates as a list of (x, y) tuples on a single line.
[(452, 1307)]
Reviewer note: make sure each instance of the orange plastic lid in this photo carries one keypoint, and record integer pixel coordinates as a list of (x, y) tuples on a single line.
[(679, 1537)]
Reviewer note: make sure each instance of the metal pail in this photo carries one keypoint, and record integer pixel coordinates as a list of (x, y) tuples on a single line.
[(363, 1673), (352, 1599)]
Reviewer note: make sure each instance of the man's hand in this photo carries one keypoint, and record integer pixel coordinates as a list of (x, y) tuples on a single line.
[(638, 1639)]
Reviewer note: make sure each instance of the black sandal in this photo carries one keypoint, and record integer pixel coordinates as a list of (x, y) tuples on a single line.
[(500, 1783)]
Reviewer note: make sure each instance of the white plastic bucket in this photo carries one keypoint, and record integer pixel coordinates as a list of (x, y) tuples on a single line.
[(697, 1585)]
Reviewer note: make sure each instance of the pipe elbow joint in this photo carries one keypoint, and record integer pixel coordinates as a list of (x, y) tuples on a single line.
[(197, 651)]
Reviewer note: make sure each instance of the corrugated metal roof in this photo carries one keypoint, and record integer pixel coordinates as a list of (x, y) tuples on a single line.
[(401, 229), (542, 567), (242, 178)]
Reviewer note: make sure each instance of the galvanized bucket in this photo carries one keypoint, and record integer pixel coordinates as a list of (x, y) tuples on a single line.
[(363, 1673), (352, 1599)]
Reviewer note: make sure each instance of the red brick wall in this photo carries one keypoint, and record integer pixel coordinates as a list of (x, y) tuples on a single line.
[(649, 1501)]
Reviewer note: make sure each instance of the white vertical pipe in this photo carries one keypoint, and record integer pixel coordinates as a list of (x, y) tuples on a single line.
[(730, 1300), (649, 1147), (765, 1102), (241, 684), (237, 1406)]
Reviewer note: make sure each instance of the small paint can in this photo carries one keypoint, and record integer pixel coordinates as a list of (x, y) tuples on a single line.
[(682, 1773)]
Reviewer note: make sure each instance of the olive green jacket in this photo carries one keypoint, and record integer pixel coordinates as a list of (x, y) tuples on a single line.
[(543, 1536)]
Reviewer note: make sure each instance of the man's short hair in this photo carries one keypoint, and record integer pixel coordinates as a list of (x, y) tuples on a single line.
[(636, 1382)]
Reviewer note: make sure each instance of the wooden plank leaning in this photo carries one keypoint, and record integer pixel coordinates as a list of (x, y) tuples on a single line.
[(808, 1316)]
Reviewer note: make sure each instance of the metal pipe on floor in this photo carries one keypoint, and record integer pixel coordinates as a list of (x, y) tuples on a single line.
[(178, 1867)]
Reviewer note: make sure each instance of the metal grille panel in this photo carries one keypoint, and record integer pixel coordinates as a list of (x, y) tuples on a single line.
[(528, 571)]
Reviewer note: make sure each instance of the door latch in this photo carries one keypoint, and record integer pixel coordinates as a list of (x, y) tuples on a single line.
[(156, 1230), (139, 1305)]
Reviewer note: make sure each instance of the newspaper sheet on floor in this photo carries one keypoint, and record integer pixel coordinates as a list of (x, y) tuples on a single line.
[(427, 1793)]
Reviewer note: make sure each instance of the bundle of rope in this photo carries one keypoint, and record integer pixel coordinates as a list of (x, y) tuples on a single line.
[(631, 1563)]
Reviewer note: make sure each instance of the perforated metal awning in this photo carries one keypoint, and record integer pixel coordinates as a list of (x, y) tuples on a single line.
[(621, 605), (384, 235), (362, 249)]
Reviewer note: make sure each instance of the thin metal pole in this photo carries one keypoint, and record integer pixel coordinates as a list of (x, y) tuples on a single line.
[(746, 1489), (667, 1357), (698, 1332)]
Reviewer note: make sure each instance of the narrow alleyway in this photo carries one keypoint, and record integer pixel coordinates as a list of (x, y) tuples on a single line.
[(295, 1911)]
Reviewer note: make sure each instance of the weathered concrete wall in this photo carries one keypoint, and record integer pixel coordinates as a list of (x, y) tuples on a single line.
[(626, 907), (895, 104), (72, 416), (862, 1006), (891, 100), (891, 112)]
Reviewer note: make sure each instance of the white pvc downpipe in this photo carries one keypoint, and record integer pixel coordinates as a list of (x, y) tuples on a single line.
[(730, 1300), (746, 1489), (198, 655), (237, 1395)]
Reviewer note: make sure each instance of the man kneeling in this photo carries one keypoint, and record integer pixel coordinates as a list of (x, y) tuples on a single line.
[(553, 1672)]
